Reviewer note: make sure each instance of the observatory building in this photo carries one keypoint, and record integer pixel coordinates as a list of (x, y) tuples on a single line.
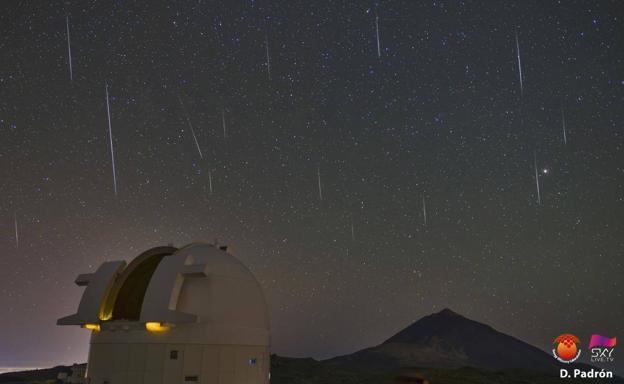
[(190, 315)]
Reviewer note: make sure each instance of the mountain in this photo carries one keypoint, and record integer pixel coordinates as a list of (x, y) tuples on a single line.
[(449, 340)]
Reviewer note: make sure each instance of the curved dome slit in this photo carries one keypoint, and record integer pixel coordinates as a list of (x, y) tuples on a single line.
[(129, 298)]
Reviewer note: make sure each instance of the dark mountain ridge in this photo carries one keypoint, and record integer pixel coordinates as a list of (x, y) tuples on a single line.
[(449, 340)]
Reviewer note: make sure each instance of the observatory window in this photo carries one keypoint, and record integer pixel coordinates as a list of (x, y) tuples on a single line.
[(173, 355), (253, 361)]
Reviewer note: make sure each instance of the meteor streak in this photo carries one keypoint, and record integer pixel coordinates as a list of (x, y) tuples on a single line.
[(210, 180), (16, 231), (69, 55), (320, 189), (223, 121), (110, 137), (424, 210), (188, 121), (268, 58), (537, 186), (519, 63), (563, 123), (377, 29)]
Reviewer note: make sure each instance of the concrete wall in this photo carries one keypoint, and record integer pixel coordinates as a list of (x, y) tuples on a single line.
[(122, 363)]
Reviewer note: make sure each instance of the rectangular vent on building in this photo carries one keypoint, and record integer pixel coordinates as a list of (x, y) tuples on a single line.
[(173, 355), (191, 379)]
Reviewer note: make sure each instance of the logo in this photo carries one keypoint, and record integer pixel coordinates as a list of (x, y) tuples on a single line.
[(601, 348), (566, 348)]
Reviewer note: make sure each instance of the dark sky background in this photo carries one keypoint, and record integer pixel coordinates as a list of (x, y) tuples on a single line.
[(438, 116)]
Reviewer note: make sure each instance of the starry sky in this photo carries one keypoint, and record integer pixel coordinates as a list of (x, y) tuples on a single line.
[(425, 147)]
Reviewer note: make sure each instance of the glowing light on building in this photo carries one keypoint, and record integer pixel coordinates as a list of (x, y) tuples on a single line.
[(156, 327)]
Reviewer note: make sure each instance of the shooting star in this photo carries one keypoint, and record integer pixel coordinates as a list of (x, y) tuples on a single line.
[(223, 122), (110, 137), (210, 180), (188, 121), (424, 210), (320, 189), (519, 63), (537, 186), (69, 55), (377, 29), (268, 58), (565, 137), (16, 231)]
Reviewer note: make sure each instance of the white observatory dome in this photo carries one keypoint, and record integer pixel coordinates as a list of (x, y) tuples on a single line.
[(189, 315)]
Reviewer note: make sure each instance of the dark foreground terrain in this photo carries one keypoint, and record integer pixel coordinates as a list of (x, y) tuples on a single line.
[(308, 371), (47, 375), (286, 370)]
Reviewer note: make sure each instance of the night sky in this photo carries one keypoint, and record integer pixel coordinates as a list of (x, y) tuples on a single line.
[(434, 119)]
